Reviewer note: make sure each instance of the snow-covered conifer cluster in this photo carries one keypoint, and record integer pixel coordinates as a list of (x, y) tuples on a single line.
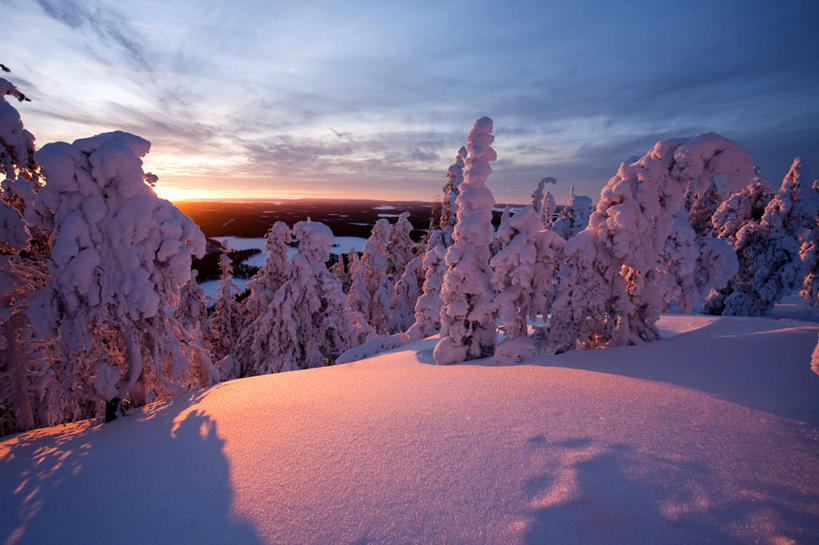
[(100, 305)]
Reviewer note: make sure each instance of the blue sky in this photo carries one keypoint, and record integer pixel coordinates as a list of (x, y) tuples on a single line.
[(373, 99)]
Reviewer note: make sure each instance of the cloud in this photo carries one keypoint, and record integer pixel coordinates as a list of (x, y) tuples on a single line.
[(107, 24)]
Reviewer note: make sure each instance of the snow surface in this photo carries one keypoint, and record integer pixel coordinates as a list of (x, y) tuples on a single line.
[(707, 437)]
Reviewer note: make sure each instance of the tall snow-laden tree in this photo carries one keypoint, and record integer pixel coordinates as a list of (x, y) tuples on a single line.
[(468, 314), (309, 322), (400, 247), (405, 295), (768, 250), (226, 321), (612, 290), (809, 252), (192, 309), (268, 279), (22, 270), (513, 271), (120, 257), (428, 306), (370, 288), (263, 287), (449, 206)]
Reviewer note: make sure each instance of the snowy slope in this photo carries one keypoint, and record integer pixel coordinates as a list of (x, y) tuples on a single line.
[(710, 436)]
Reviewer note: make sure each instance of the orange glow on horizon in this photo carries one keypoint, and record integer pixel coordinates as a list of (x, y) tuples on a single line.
[(176, 193)]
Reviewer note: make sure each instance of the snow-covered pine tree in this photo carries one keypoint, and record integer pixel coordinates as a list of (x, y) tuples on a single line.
[(270, 277), (575, 216), (192, 309), (449, 206), (251, 350), (468, 314), (401, 248), (22, 270), (809, 252), (543, 202), (120, 257), (226, 321), (768, 250), (405, 295), (370, 288), (309, 322), (428, 306), (612, 290), (513, 270)]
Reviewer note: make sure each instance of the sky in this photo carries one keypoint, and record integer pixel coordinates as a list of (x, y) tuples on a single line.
[(266, 99)]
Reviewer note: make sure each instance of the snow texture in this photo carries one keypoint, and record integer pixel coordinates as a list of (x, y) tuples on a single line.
[(707, 437)]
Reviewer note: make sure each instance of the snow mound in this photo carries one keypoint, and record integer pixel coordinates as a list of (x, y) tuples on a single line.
[(706, 437)]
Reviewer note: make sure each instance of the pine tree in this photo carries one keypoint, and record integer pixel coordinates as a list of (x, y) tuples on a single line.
[(371, 290), (120, 257), (768, 249), (612, 292), (428, 306), (468, 315), (449, 206), (309, 322)]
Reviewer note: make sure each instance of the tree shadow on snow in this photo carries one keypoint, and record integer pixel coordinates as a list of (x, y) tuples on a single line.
[(611, 495), (165, 480)]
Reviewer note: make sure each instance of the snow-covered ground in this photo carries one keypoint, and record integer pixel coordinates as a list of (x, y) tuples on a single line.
[(709, 436)]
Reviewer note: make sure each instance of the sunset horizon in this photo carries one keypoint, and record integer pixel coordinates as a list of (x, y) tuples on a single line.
[(338, 272)]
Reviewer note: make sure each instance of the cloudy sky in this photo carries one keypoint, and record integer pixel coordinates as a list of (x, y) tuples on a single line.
[(373, 99)]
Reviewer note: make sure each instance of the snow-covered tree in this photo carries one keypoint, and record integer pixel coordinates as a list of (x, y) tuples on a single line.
[(449, 206), (309, 322), (120, 257), (16, 143), (370, 288), (809, 252), (768, 250), (428, 306), (192, 309), (226, 320), (612, 290), (693, 265), (468, 314), (744, 206), (575, 216), (340, 269), (549, 247), (270, 277), (401, 248), (405, 295), (513, 269), (22, 270), (263, 287)]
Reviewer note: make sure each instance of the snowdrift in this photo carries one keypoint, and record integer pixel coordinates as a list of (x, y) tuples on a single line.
[(709, 436)]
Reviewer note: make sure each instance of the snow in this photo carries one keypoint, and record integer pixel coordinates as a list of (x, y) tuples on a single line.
[(706, 437), (342, 245), (210, 287)]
